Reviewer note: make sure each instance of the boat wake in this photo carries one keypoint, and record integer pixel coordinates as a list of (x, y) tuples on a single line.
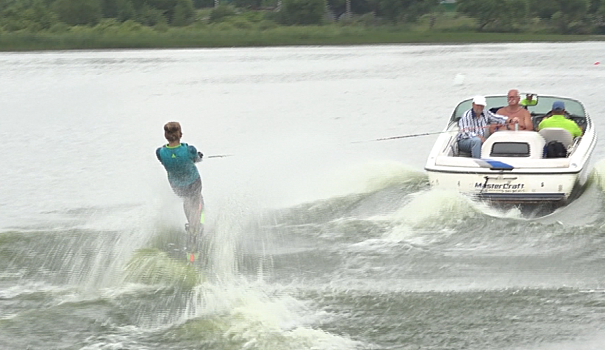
[(410, 212)]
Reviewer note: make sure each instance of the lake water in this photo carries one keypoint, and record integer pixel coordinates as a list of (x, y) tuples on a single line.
[(314, 239)]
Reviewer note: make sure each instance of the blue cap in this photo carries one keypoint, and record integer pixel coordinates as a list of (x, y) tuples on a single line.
[(558, 105)]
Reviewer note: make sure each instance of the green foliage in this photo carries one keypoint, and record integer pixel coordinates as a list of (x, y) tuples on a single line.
[(497, 15), (131, 27), (221, 26), (569, 14), (573, 9), (253, 16), (302, 11), (161, 27), (221, 12), (11, 25), (239, 22), (267, 24), (274, 16), (362, 7), (109, 8), (389, 9), (367, 19), (40, 14), (403, 10), (85, 18), (83, 37), (122, 10), (148, 11), (184, 13), (150, 17), (198, 4), (80, 29), (270, 4), (59, 27), (542, 8), (164, 5), (595, 5), (565, 15), (248, 4), (125, 10), (107, 24), (31, 18), (4, 4), (448, 7), (78, 12), (597, 17)]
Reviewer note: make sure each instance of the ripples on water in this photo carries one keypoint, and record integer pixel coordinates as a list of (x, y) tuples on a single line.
[(399, 266), (374, 259)]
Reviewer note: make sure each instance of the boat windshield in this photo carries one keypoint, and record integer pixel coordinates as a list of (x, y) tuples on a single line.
[(543, 106)]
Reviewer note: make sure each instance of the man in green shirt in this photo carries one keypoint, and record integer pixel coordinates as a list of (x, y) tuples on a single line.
[(528, 101), (558, 120)]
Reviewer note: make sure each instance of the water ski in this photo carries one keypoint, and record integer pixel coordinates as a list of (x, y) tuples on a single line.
[(154, 266)]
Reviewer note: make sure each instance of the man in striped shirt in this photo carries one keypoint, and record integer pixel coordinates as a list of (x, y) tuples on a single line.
[(473, 124)]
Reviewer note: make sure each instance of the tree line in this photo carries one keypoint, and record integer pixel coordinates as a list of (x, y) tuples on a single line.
[(36, 15), (562, 16)]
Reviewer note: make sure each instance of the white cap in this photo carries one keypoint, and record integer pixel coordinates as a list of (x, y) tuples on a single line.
[(479, 100)]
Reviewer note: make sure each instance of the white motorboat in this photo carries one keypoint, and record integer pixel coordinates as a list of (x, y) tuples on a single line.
[(514, 166)]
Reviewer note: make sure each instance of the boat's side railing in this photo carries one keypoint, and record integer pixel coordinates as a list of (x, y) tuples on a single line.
[(572, 148)]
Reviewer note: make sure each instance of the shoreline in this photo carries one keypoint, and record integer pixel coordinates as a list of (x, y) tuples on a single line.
[(278, 37)]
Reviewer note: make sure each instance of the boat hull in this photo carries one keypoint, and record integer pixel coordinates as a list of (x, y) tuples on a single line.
[(510, 187)]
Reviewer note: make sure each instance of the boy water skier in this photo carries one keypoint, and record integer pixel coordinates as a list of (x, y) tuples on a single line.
[(179, 161)]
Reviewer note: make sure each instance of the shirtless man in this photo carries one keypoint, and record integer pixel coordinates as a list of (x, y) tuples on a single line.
[(515, 112)]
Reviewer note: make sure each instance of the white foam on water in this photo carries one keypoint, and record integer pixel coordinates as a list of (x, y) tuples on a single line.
[(253, 314), (132, 228), (259, 316), (435, 207), (439, 209), (369, 177), (599, 174), (459, 79)]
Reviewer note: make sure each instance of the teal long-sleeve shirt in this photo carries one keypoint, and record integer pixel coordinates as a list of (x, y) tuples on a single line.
[(179, 163)]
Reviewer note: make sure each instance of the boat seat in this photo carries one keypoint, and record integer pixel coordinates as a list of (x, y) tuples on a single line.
[(557, 134)]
